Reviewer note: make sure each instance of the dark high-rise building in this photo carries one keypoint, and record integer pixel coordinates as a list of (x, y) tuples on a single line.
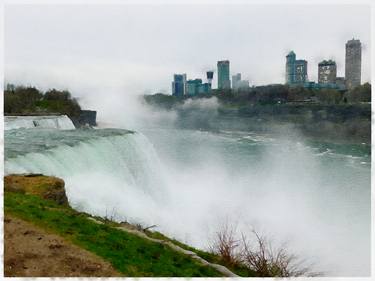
[(295, 70), (289, 68), (210, 76), (179, 85), (223, 81), (327, 72), (353, 63)]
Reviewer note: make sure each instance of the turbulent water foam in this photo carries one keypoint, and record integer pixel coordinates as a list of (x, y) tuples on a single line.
[(61, 122), (106, 176), (189, 182)]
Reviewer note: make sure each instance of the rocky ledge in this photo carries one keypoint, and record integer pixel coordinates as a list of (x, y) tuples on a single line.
[(50, 188)]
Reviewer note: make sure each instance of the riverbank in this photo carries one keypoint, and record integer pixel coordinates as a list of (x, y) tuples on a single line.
[(37, 214), (338, 123)]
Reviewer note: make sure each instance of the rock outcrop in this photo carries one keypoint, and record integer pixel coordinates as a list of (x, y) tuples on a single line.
[(50, 188)]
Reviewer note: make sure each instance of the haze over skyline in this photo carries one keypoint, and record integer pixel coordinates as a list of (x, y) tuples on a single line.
[(138, 48)]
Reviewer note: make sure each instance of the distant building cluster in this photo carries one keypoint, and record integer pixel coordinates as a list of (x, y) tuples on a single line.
[(296, 74), (183, 87), (296, 70), (192, 87)]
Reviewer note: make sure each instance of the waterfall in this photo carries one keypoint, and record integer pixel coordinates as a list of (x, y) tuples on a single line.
[(61, 122), (115, 175)]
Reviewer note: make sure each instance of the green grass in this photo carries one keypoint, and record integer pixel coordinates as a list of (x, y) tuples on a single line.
[(210, 257), (128, 253)]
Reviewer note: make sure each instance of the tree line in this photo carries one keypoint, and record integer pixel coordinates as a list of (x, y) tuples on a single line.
[(21, 100), (274, 94)]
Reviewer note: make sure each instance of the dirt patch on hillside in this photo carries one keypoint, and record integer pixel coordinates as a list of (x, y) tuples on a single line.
[(29, 251)]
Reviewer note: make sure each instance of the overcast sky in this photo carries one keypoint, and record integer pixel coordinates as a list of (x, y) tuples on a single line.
[(137, 48)]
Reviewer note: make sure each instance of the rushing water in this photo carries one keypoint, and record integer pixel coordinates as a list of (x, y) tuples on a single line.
[(314, 195), (60, 122)]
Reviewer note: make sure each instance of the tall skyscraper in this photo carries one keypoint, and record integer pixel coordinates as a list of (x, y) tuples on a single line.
[(327, 72), (223, 81), (179, 85), (295, 70), (289, 68), (353, 63)]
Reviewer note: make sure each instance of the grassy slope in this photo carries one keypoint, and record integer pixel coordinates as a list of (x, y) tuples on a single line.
[(210, 257), (129, 254)]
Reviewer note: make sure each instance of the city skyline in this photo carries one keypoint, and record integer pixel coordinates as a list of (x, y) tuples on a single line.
[(296, 74), (137, 48)]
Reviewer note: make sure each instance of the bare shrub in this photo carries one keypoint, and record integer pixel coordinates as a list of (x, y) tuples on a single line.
[(110, 216), (267, 260), (258, 254), (226, 245)]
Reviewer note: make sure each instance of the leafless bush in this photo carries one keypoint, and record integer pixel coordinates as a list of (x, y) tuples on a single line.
[(258, 254), (226, 245), (267, 260), (110, 216)]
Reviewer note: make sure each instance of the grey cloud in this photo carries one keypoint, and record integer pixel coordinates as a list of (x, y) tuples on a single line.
[(137, 48)]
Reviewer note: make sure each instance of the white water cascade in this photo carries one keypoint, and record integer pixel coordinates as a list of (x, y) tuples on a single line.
[(61, 122), (106, 176)]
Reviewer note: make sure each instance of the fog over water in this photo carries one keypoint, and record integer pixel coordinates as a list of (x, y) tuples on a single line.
[(189, 183), (315, 196)]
